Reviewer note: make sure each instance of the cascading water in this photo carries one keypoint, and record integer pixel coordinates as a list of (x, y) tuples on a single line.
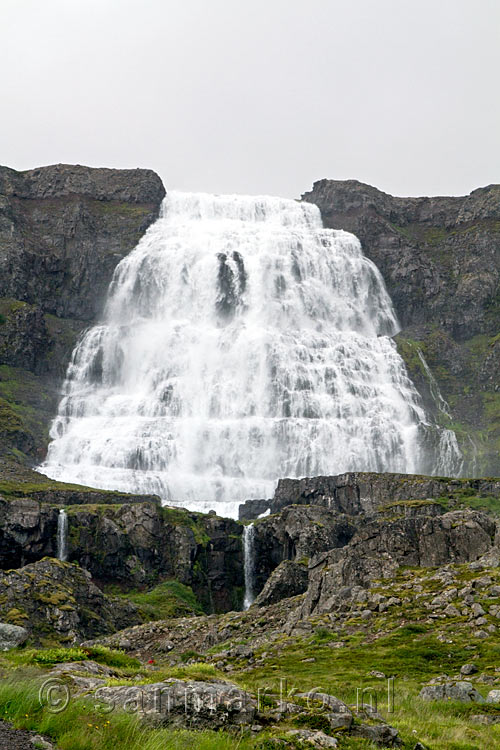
[(248, 564), (448, 444), (241, 342), (62, 535)]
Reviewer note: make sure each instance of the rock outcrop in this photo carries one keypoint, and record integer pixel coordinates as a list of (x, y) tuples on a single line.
[(140, 544), (64, 228), (288, 579), (379, 548), (195, 704), (50, 598), (358, 492), (440, 259)]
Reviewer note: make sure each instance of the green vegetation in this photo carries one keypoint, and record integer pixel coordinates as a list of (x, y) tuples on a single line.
[(168, 599), (47, 657), (82, 727), (475, 406), (400, 644)]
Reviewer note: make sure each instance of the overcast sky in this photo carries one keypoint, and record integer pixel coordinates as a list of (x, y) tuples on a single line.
[(256, 96)]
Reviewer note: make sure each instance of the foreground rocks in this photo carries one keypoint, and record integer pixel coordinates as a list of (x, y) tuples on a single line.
[(219, 704), (184, 703), (463, 692)]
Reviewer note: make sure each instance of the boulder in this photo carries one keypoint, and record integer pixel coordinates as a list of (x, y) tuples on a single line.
[(468, 669), (312, 738), (288, 579), (191, 703), (462, 691), (382, 735), (11, 636)]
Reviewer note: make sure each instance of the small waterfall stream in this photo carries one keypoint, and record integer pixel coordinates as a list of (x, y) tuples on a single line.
[(62, 535), (249, 564)]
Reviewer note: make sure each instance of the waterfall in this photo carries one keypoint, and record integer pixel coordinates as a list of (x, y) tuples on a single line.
[(62, 535), (441, 404), (249, 562), (449, 459), (241, 342)]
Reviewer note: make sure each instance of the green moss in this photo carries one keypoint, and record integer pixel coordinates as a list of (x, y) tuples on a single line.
[(16, 616), (168, 599), (193, 521)]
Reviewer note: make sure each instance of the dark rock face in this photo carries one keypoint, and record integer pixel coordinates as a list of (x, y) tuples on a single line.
[(52, 598), (364, 492), (135, 544), (288, 579), (361, 526), (141, 544), (408, 239), (379, 548), (64, 228), (24, 337), (440, 259), (27, 532), (297, 533)]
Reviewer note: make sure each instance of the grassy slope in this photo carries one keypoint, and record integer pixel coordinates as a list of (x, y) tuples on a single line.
[(399, 643)]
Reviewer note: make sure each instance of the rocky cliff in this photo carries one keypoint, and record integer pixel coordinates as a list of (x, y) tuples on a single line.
[(440, 259), (63, 229), (134, 544)]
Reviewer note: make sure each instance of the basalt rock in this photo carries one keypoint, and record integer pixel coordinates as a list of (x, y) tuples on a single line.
[(64, 228), (297, 533), (56, 599), (355, 493), (194, 704), (379, 548), (134, 544), (288, 579), (414, 241)]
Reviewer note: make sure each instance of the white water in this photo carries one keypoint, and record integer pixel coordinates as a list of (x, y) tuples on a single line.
[(248, 564), (62, 535), (448, 444), (441, 404), (241, 342)]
